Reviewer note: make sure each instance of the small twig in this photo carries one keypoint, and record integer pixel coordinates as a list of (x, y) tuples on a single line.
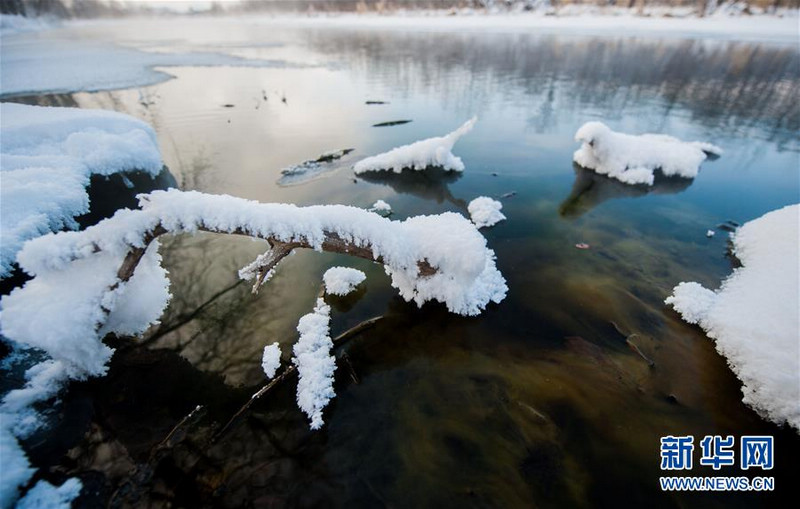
[(619, 329), (350, 369), (289, 371), (178, 433), (143, 473), (635, 348)]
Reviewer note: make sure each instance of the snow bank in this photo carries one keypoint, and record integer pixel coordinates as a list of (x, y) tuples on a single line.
[(342, 280), (767, 28), (419, 155), (754, 316), (633, 159), (47, 156), (315, 364), (271, 360), (54, 63), (485, 211)]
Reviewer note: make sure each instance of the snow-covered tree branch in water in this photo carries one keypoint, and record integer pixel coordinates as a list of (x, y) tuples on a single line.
[(108, 278)]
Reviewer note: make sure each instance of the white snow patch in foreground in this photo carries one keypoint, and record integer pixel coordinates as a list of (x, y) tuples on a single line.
[(47, 156), (485, 211), (271, 360), (420, 155), (315, 364), (754, 317), (74, 270), (632, 159), (342, 280)]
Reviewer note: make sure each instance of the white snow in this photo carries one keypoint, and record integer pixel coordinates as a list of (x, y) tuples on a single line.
[(52, 62), (605, 22), (14, 23), (81, 308), (44, 380), (315, 364), (381, 206), (342, 280), (271, 360), (18, 419), (15, 469), (46, 496), (419, 155), (754, 317), (632, 159), (47, 156), (485, 211)]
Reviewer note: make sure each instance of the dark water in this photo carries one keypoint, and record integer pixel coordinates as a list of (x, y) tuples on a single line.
[(538, 402)]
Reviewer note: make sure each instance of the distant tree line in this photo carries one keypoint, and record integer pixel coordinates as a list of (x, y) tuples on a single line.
[(114, 8)]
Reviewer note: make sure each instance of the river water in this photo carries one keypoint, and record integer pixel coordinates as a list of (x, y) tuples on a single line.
[(538, 402)]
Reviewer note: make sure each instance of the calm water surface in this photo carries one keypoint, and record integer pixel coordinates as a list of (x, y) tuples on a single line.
[(539, 401)]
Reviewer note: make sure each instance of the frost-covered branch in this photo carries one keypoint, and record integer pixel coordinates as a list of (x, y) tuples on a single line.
[(108, 278)]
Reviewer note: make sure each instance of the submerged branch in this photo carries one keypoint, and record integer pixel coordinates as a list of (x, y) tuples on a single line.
[(290, 371)]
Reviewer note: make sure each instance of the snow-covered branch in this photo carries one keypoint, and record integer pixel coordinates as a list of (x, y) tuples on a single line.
[(108, 278)]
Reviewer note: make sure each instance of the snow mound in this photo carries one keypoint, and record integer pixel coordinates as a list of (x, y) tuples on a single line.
[(315, 364), (632, 159), (271, 360), (382, 207), (419, 155), (342, 280), (485, 211), (47, 156), (754, 317)]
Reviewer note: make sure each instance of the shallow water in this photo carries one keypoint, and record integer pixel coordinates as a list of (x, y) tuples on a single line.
[(537, 402)]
